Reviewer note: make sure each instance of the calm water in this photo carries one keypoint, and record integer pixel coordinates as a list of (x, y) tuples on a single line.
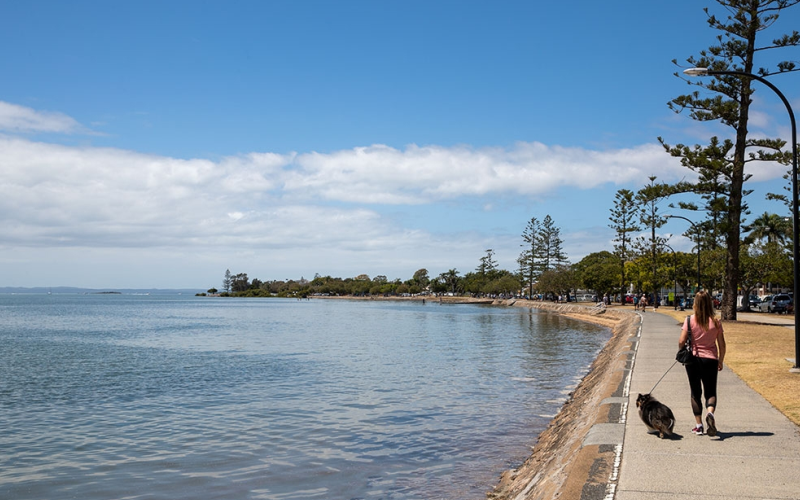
[(175, 397)]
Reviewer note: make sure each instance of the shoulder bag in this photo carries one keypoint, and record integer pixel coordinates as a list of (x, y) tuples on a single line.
[(685, 355)]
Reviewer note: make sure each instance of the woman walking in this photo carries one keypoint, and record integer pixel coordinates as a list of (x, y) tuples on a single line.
[(708, 346)]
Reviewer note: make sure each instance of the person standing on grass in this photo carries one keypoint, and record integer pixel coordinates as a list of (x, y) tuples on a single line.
[(708, 346)]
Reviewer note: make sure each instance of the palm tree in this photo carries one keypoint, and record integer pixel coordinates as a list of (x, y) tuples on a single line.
[(772, 227), (450, 278)]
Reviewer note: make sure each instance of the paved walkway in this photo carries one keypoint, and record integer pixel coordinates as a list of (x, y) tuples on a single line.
[(755, 455), (769, 318)]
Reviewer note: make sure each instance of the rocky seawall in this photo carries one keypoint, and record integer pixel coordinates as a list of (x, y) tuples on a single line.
[(564, 462)]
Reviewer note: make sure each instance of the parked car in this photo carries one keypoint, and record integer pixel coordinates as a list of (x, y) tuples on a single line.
[(778, 303), (763, 306), (746, 304), (683, 302), (781, 303)]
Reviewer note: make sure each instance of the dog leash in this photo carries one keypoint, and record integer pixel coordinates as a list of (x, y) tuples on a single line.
[(676, 361), (662, 377)]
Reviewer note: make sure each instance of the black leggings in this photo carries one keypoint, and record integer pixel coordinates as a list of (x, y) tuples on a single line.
[(703, 378)]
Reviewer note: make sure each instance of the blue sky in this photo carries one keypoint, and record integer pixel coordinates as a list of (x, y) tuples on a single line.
[(157, 144)]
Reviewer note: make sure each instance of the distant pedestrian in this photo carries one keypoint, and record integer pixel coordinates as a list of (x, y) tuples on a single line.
[(708, 346), (636, 302), (643, 302)]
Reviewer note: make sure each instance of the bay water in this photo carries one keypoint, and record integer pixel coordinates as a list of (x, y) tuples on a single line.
[(179, 397)]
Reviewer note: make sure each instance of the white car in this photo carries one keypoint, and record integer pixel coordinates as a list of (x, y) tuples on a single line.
[(763, 306), (778, 303)]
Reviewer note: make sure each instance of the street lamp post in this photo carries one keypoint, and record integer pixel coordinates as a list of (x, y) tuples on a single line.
[(795, 218), (675, 275), (697, 232)]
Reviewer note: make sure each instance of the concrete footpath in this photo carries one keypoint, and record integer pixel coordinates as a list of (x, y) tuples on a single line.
[(755, 455)]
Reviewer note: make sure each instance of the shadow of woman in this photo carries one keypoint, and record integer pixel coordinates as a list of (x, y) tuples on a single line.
[(725, 435)]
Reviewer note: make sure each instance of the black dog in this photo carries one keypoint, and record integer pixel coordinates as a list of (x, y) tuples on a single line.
[(656, 415)]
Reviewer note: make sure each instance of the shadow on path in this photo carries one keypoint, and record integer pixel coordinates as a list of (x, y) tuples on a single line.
[(726, 435)]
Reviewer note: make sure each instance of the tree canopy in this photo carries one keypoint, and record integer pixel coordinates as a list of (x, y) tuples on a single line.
[(721, 164)]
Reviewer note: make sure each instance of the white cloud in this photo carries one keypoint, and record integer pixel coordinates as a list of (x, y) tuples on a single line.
[(381, 174), (758, 118), (61, 195), (345, 212), (15, 118)]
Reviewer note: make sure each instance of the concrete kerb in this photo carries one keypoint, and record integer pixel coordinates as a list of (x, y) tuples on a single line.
[(614, 433)]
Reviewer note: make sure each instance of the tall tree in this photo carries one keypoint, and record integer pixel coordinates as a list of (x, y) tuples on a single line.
[(227, 281), (624, 223), (735, 50), (559, 280), (487, 264), (649, 198), (552, 252), (599, 271), (530, 257), (450, 280), (766, 264), (712, 186), (421, 278), (240, 282)]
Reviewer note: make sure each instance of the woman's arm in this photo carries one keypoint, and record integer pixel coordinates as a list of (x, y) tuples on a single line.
[(721, 347)]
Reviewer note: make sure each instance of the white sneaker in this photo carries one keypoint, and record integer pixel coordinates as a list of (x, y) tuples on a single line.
[(712, 428)]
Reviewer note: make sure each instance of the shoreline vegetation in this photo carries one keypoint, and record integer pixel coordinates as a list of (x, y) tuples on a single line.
[(577, 310)]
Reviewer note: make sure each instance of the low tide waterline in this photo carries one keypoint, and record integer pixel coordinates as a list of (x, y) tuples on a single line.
[(176, 397)]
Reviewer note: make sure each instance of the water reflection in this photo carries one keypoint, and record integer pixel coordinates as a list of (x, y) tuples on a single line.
[(112, 397)]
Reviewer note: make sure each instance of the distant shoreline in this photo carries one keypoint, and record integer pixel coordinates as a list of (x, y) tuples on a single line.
[(584, 311)]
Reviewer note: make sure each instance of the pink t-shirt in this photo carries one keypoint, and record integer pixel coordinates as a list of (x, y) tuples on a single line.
[(704, 342)]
